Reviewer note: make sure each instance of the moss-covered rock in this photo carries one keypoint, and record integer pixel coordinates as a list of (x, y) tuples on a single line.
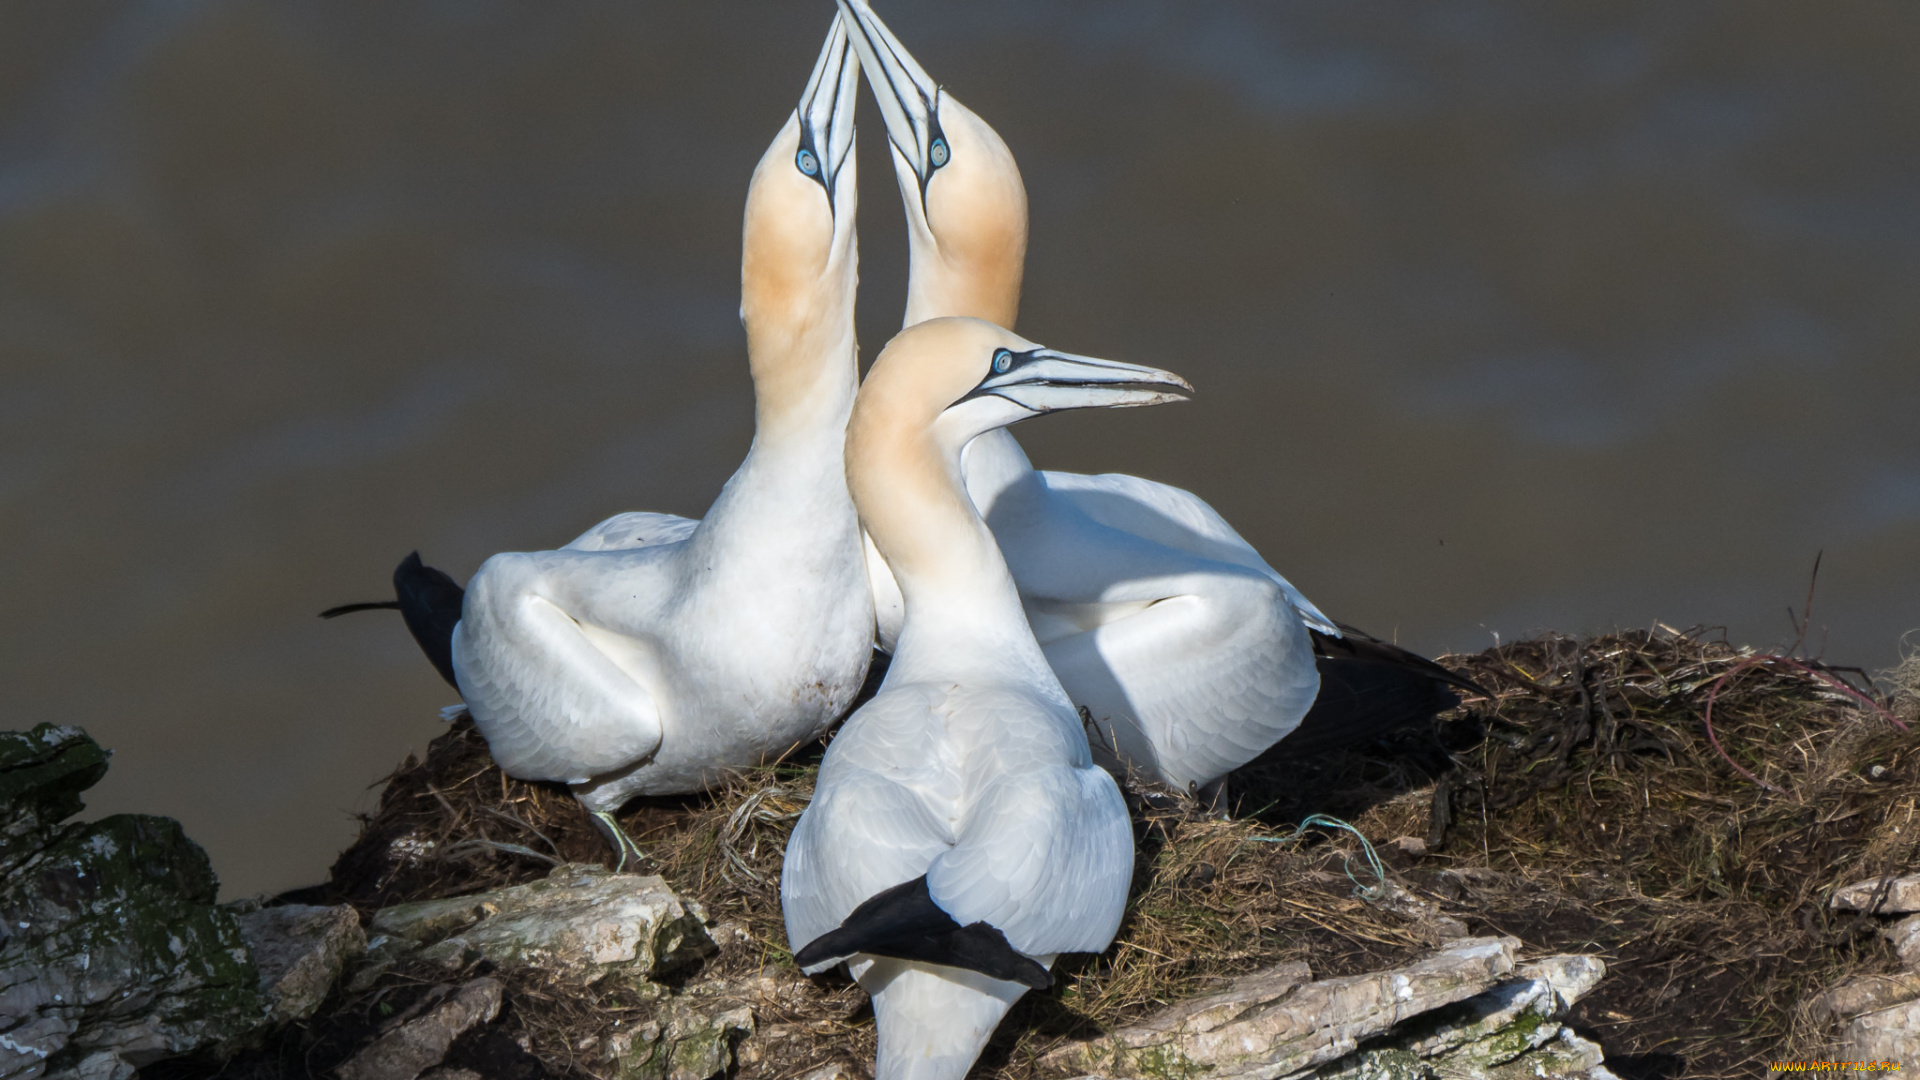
[(42, 773), (113, 952), (689, 1039)]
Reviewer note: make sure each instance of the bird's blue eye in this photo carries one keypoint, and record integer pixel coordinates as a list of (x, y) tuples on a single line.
[(938, 153), (807, 162), (1002, 360)]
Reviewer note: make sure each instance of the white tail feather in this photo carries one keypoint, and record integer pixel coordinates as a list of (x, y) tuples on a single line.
[(933, 1021)]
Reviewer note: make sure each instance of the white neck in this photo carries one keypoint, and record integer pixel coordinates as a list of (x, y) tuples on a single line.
[(964, 621), (994, 464), (796, 464), (805, 363)]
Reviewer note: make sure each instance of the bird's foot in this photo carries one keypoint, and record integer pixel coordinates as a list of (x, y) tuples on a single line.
[(618, 839)]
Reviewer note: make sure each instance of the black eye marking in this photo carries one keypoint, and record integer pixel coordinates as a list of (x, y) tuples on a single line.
[(807, 160), (1004, 361), (939, 153)]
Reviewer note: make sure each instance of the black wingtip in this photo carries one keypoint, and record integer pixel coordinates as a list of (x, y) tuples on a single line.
[(903, 923), (1368, 689), (430, 601), (348, 609), (1360, 701), (1359, 645)]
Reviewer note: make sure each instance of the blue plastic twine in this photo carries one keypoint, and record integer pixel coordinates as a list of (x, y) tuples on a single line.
[(1376, 891)]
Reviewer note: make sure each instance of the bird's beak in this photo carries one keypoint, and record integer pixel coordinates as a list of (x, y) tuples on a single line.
[(826, 107), (908, 96), (1047, 381)]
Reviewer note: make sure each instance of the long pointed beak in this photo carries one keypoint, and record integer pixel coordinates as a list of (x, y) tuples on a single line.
[(908, 96), (826, 108), (1048, 381)]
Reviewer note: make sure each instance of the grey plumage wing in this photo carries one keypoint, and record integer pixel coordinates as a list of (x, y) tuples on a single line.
[(869, 826), (1197, 684), (1044, 849), (636, 529), (1177, 518), (1046, 859)]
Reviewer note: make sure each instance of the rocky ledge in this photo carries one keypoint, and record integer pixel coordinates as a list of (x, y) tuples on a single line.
[(113, 952), (1466, 1011), (115, 956)]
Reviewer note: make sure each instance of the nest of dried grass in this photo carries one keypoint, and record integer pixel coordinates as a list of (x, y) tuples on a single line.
[(1587, 805)]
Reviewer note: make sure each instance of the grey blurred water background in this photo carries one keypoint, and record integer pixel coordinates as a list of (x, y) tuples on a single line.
[(1504, 317)]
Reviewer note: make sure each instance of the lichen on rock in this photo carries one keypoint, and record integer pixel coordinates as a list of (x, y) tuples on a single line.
[(114, 952), (582, 922), (300, 951), (1455, 1013), (689, 1039), (1263, 1035), (42, 773)]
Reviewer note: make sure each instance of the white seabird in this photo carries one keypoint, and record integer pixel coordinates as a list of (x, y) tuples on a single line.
[(1192, 654), (960, 835), (654, 654)]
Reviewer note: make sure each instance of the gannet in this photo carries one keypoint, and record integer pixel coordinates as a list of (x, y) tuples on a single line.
[(1192, 654), (654, 654), (960, 835)]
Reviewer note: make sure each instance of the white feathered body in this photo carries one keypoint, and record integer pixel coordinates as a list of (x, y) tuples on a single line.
[(969, 767), (1190, 652), (990, 792), (994, 799), (710, 647)]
